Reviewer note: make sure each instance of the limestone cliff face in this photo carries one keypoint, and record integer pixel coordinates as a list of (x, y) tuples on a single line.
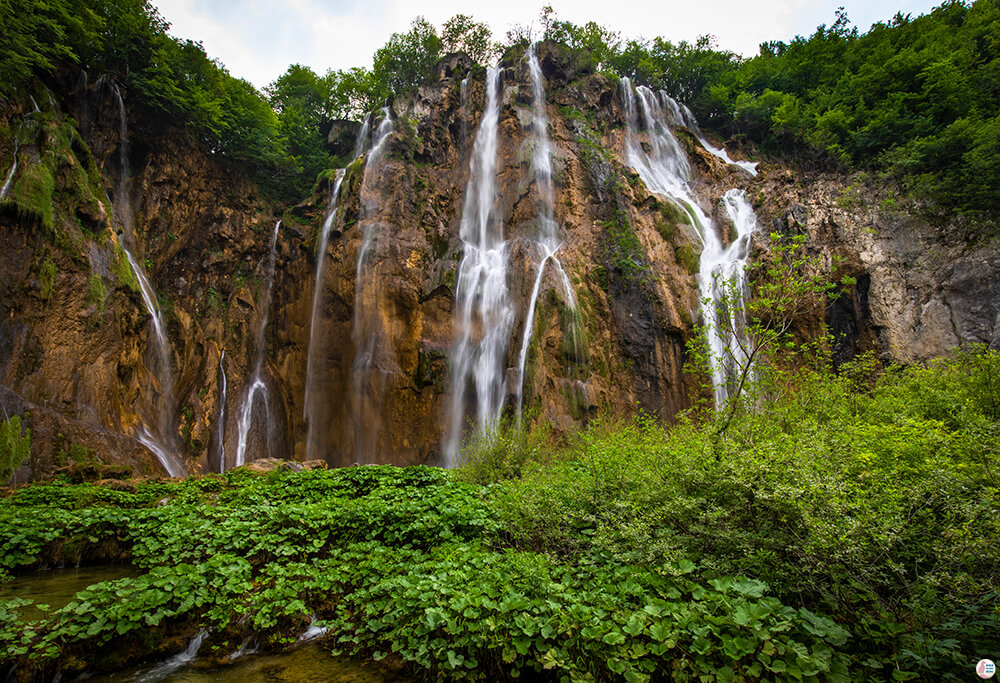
[(75, 332)]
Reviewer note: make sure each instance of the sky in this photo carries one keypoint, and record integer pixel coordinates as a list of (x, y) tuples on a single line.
[(258, 39)]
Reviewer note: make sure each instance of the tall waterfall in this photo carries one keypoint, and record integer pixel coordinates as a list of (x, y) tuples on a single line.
[(315, 410), (549, 238), (367, 333), (159, 429), (257, 387), (665, 170), (312, 409), (485, 313)]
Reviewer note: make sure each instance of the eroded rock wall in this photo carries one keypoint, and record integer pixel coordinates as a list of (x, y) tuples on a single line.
[(74, 332)]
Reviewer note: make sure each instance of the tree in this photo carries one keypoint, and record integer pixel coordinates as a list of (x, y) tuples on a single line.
[(405, 61), (757, 328), (462, 33)]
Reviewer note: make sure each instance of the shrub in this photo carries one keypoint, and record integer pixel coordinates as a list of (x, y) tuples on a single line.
[(15, 447)]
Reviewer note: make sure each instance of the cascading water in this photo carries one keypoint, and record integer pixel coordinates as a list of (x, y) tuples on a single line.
[(681, 116), (10, 174), (549, 238), (159, 433), (485, 313), (257, 386), (727, 269), (367, 333), (665, 170)]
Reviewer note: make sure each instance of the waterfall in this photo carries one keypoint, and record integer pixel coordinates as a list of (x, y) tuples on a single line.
[(310, 410), (11, 172), (220, 424), (314, 412), (159, 433), (680, 115), (549, 239), (366, 331), (729, 266), (257, 386), (485, 313), (665, 170), (178, 661)]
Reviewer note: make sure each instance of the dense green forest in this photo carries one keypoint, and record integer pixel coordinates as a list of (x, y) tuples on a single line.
[(913, 99)]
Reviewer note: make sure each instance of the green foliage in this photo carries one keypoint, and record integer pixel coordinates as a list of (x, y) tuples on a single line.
[(462, 33), (390, 560), (501, 452), (122, 269), (33, 191), (15, 447), (38, 37), (867, 499), (97, 294), (300, 97), (406, 60), (47, 278)]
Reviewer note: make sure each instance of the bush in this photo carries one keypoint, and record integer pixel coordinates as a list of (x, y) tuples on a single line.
[(15, 447)]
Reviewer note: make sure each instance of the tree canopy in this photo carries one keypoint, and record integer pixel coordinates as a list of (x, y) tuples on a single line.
[(912, 98)]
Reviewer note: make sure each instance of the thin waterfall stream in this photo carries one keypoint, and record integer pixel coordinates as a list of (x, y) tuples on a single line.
[(682, 116), (257, 385), (485, 312), (220, 422), (10, 174), (159, 429), (311, 408)]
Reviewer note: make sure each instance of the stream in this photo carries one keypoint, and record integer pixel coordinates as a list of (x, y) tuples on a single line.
[(310, 661)]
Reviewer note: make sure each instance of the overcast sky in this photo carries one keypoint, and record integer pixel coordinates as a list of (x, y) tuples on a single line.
[(258, 39)]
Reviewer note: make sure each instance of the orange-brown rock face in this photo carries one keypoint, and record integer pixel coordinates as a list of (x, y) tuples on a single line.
[(75, 333)]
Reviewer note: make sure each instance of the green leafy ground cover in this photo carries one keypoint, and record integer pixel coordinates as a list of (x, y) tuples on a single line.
[(841, 529)]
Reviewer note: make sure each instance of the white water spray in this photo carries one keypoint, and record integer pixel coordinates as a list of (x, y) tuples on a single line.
[(220, 423), (485, 313), (310, 410)]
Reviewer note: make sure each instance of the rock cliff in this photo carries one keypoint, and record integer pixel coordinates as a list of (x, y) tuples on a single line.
[(75, 333)]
